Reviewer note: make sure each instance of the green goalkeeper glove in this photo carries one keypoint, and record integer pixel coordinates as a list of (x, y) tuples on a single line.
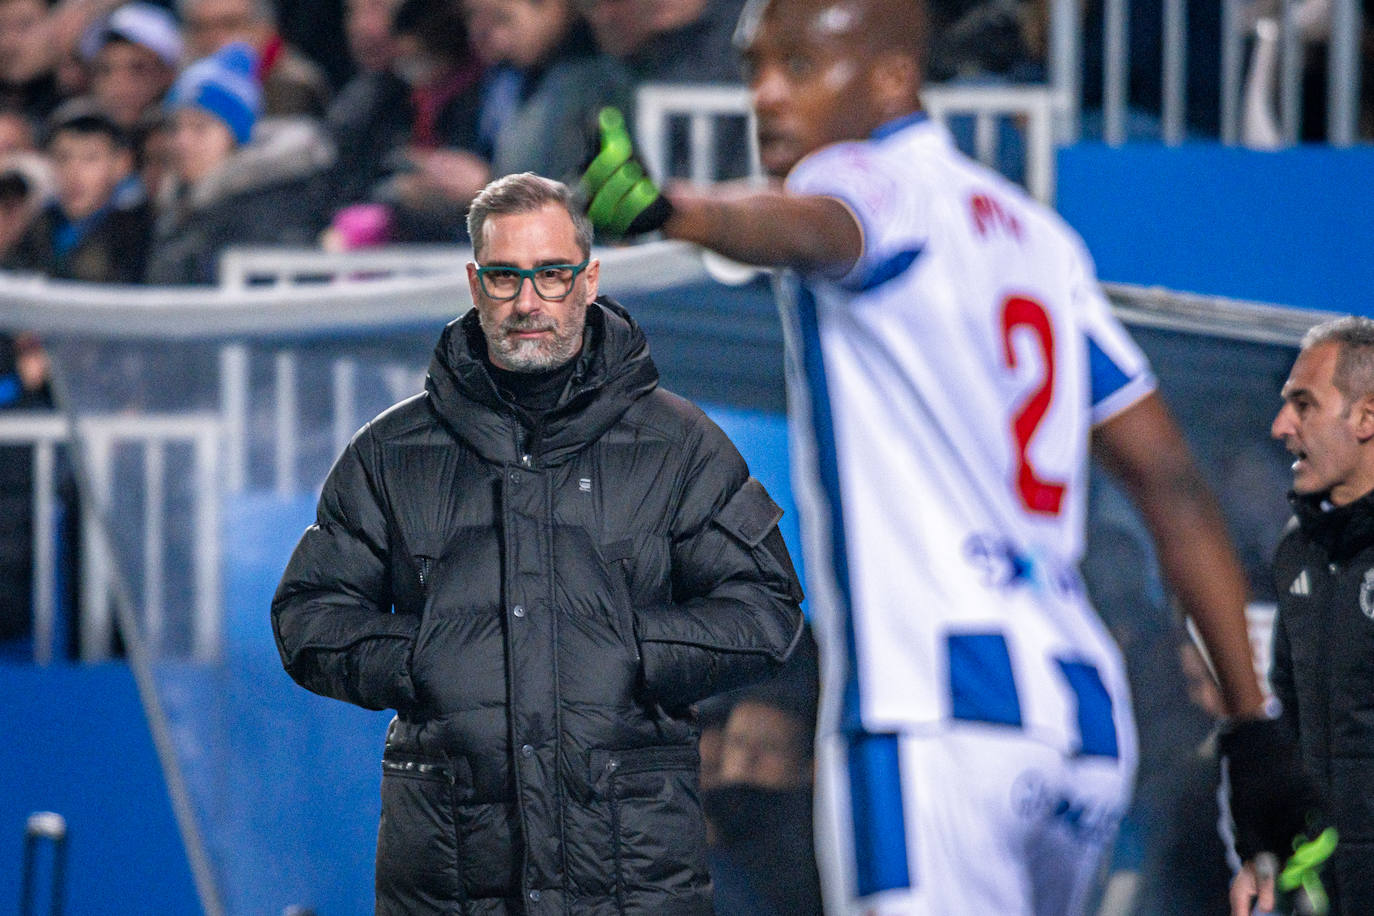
[(622, 199), (1301, 875)]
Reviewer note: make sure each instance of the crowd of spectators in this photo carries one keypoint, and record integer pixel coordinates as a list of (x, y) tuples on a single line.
[(201, 125)]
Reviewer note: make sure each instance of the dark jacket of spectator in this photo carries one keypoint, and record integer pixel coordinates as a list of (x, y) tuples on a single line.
[(373, 121), (553, 125), (16, 493), (702, 51), (111, 246), (554, 592), (1323, 674), (270, 192)]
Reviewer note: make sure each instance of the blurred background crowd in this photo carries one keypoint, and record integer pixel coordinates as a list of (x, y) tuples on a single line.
[(140, 140)]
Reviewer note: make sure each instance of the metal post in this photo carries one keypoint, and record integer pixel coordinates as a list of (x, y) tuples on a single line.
[(154, 511), (96, 613), (208, 626), (1116, 69), (1343, 74), (1040, 150), (1290, 79), (1065, 51), (1232, 45), (50, 826), (651, 131), (344, 376), (233, 400), (703, 141), (44, 552), (985, 138), (1175, 62), (285, 364)]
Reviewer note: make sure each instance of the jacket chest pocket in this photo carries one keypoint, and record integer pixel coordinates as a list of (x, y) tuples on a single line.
[(643, 564), (656, 828)]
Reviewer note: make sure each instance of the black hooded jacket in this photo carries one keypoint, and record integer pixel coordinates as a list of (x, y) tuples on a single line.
[(1323, 674), (539, 606)]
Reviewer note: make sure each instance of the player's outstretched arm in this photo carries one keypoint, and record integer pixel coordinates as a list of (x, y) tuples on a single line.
[(1144, 449), (767, 227)]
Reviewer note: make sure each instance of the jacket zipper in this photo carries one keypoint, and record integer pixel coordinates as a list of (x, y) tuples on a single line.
[(424, 563)]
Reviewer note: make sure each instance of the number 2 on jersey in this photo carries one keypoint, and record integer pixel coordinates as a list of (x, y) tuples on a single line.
[(1037, 494)]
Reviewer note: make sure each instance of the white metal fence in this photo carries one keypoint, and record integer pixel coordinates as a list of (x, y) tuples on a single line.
[(1031, 110), (146, 439), (1263, 47)]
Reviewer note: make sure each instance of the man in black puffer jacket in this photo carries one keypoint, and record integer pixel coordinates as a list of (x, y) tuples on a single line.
[(1323, 671), (539, 562)]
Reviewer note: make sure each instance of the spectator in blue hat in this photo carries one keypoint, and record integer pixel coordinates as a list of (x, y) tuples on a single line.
[(236, 180)]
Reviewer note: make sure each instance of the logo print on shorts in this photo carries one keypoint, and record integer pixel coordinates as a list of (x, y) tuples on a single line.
[(1367, 594), (584, 484)]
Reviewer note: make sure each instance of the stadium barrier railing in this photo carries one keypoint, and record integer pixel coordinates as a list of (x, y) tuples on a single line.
[(260, 334)]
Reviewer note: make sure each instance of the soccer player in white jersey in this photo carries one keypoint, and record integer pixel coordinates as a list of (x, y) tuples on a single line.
[(951, 360)]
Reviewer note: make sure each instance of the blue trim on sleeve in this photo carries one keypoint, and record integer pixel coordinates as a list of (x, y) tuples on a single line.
[(1096, 728), (878, 817), (982, 687), (11, 389), (1105, 378), (893, 267), (828, 465), (891, 127)]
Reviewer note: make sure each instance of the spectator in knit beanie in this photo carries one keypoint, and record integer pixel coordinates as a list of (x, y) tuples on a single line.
[(133, 55), (237, 181)]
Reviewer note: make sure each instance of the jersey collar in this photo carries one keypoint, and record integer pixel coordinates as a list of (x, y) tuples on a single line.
[(891, 127)]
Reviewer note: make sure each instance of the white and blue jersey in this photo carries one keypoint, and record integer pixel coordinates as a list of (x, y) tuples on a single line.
[(941, 397)]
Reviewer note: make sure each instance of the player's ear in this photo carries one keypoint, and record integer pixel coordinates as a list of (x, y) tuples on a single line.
[(895, 80), (1362, 417)]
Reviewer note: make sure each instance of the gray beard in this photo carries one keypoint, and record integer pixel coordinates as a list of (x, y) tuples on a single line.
[(532, 355)]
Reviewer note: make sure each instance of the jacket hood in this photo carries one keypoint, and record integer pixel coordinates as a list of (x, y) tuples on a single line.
[(613, 370), (1342, 531)]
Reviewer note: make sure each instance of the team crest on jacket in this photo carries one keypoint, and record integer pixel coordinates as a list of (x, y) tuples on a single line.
[(1367, 594)]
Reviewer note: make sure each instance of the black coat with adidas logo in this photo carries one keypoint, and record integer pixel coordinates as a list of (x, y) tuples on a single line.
[(539, 612), (1323, 673)]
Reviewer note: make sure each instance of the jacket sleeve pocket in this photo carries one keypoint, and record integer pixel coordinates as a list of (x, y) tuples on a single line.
[(750, 514)]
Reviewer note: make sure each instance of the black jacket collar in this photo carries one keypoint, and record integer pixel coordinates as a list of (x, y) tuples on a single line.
[(1342, 531), (614, 370)]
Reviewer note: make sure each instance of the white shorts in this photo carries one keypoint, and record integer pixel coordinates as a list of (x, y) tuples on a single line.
[(965, 818)]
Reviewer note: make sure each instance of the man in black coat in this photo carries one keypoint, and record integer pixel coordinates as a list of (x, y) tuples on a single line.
[(1323, 671), (539, 562)]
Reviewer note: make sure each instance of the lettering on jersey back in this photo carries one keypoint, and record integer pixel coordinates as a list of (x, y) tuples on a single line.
[(990, 217)]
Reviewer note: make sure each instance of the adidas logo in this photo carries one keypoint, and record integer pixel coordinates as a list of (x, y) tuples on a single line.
[(1302, 586)]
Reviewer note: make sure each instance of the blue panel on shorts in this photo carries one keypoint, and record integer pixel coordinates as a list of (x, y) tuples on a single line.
[(875, 799), (1095, 725), (981, 685)]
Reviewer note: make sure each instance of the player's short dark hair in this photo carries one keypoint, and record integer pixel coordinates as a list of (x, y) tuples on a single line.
[(526, 192), (82, 117), (1354, 335)]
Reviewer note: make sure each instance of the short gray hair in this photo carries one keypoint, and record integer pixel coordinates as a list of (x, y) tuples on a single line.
[(1354, 335), (527, 192)]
